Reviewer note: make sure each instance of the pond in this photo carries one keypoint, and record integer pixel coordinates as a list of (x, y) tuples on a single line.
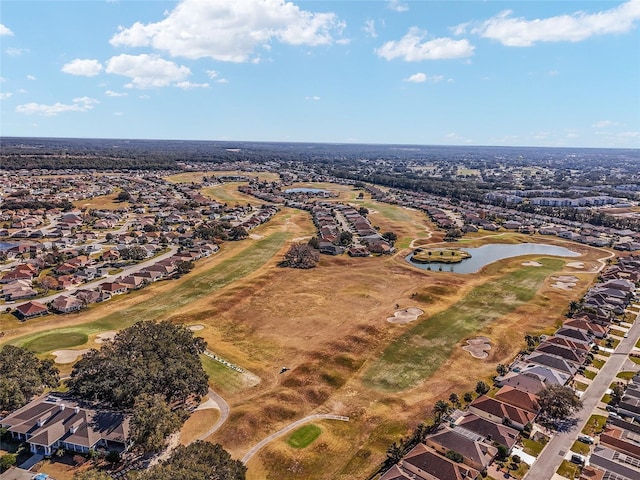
[(305, 190), (493, 252), (6, 246)]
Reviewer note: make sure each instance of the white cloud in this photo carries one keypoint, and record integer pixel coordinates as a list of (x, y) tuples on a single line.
[(604, 124), (186, 85), (85, 68), (629, 135), (520, 32), (222, 80), (21, 90), (16, 52), (315, 98), (212, 74), (397, 5), (80, 104), (553, 73), (31, 77), (5, 31), (111, 93), (370, 28), (410, 49), (147, 71), (145, 96), (230, 31), (423, 77), (5, 95)]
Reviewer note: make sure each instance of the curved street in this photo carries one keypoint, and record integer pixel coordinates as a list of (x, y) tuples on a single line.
[(223, 406)]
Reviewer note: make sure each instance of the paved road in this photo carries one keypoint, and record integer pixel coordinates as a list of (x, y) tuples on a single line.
[(223, 406), (109, 278), (552, 455), (288, 428)]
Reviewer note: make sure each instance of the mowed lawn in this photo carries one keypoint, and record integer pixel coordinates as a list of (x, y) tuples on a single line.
[(161, 307), (421, 351)]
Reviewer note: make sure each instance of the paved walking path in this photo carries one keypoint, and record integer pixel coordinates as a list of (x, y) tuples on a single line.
[(287, 429)]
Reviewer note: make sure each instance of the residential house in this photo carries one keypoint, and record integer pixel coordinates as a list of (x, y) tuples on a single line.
[(490, 431), (56, 421), (476, 453), (66, 304), (31, 310), (423, 463), (114, 288), (497, 411)]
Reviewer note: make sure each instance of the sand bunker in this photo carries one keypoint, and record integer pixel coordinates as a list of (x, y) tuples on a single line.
[(405, 315), (565, 282), (478, 347), (196, 328), (531, 264), (255, 236), (575, 264), (68, 356), (105, 336)]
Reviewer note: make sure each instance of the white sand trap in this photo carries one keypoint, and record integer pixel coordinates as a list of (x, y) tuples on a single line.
[(196, 328), (255, 236), (105, 336), (567, 278), (207, 405), (478, 347), (531, 264), (563, 285), (405, 315), (575, 264), (68, 356)]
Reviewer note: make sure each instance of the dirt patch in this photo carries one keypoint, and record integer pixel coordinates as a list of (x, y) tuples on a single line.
[(531, 264), (478, 347), (68, 356), (255, 236), (196, 328), (105, 336), (405, 315)]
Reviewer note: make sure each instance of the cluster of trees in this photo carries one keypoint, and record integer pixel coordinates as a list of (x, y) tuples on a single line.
[(23, 376), (146, 358), (216, 231), (300, 255)]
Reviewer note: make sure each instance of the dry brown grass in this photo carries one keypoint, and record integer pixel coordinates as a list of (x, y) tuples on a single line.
[(328, 325), (103, 202), (197, 424)]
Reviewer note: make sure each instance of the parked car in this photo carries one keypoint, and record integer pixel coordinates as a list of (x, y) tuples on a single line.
[(586, 439)]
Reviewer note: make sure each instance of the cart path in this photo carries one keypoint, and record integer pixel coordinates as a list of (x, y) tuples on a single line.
[(287, 429)]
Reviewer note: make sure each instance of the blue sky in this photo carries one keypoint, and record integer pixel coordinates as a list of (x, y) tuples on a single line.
[(540, 73)]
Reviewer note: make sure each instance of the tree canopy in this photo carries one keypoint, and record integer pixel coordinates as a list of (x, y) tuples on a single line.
[(558, 403), (153, 421), (198, 461), (22, 376), (300, 255), (146, 358)]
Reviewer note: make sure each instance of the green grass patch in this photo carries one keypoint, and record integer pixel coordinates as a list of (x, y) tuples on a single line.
[(595, 425), (590, 374), (54, 341), (220, 377), (617, 333), (580, 447), (391, 212), (532, 447), (580, 386), (606, 398), (597, 363), (304, 436), (635, 360), (193, 288), (626, 375), (421, 351), (569, 470)]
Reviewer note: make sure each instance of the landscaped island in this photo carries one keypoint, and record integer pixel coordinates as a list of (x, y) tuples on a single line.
[(439, 255)]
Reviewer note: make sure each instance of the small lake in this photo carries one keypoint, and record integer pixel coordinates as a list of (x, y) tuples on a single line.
[(6, 246), (305, 190), (493, 252)]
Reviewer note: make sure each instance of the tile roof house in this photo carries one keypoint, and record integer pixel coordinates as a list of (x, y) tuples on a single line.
[(518, 398), (30, 310), (423, 463), (497, 411), (476, 453), (66, 304), (56, 421), (491, 431)]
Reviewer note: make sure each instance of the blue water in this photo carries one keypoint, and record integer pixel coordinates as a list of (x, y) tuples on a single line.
[(493, 252), (6, 246), (305, 190)]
